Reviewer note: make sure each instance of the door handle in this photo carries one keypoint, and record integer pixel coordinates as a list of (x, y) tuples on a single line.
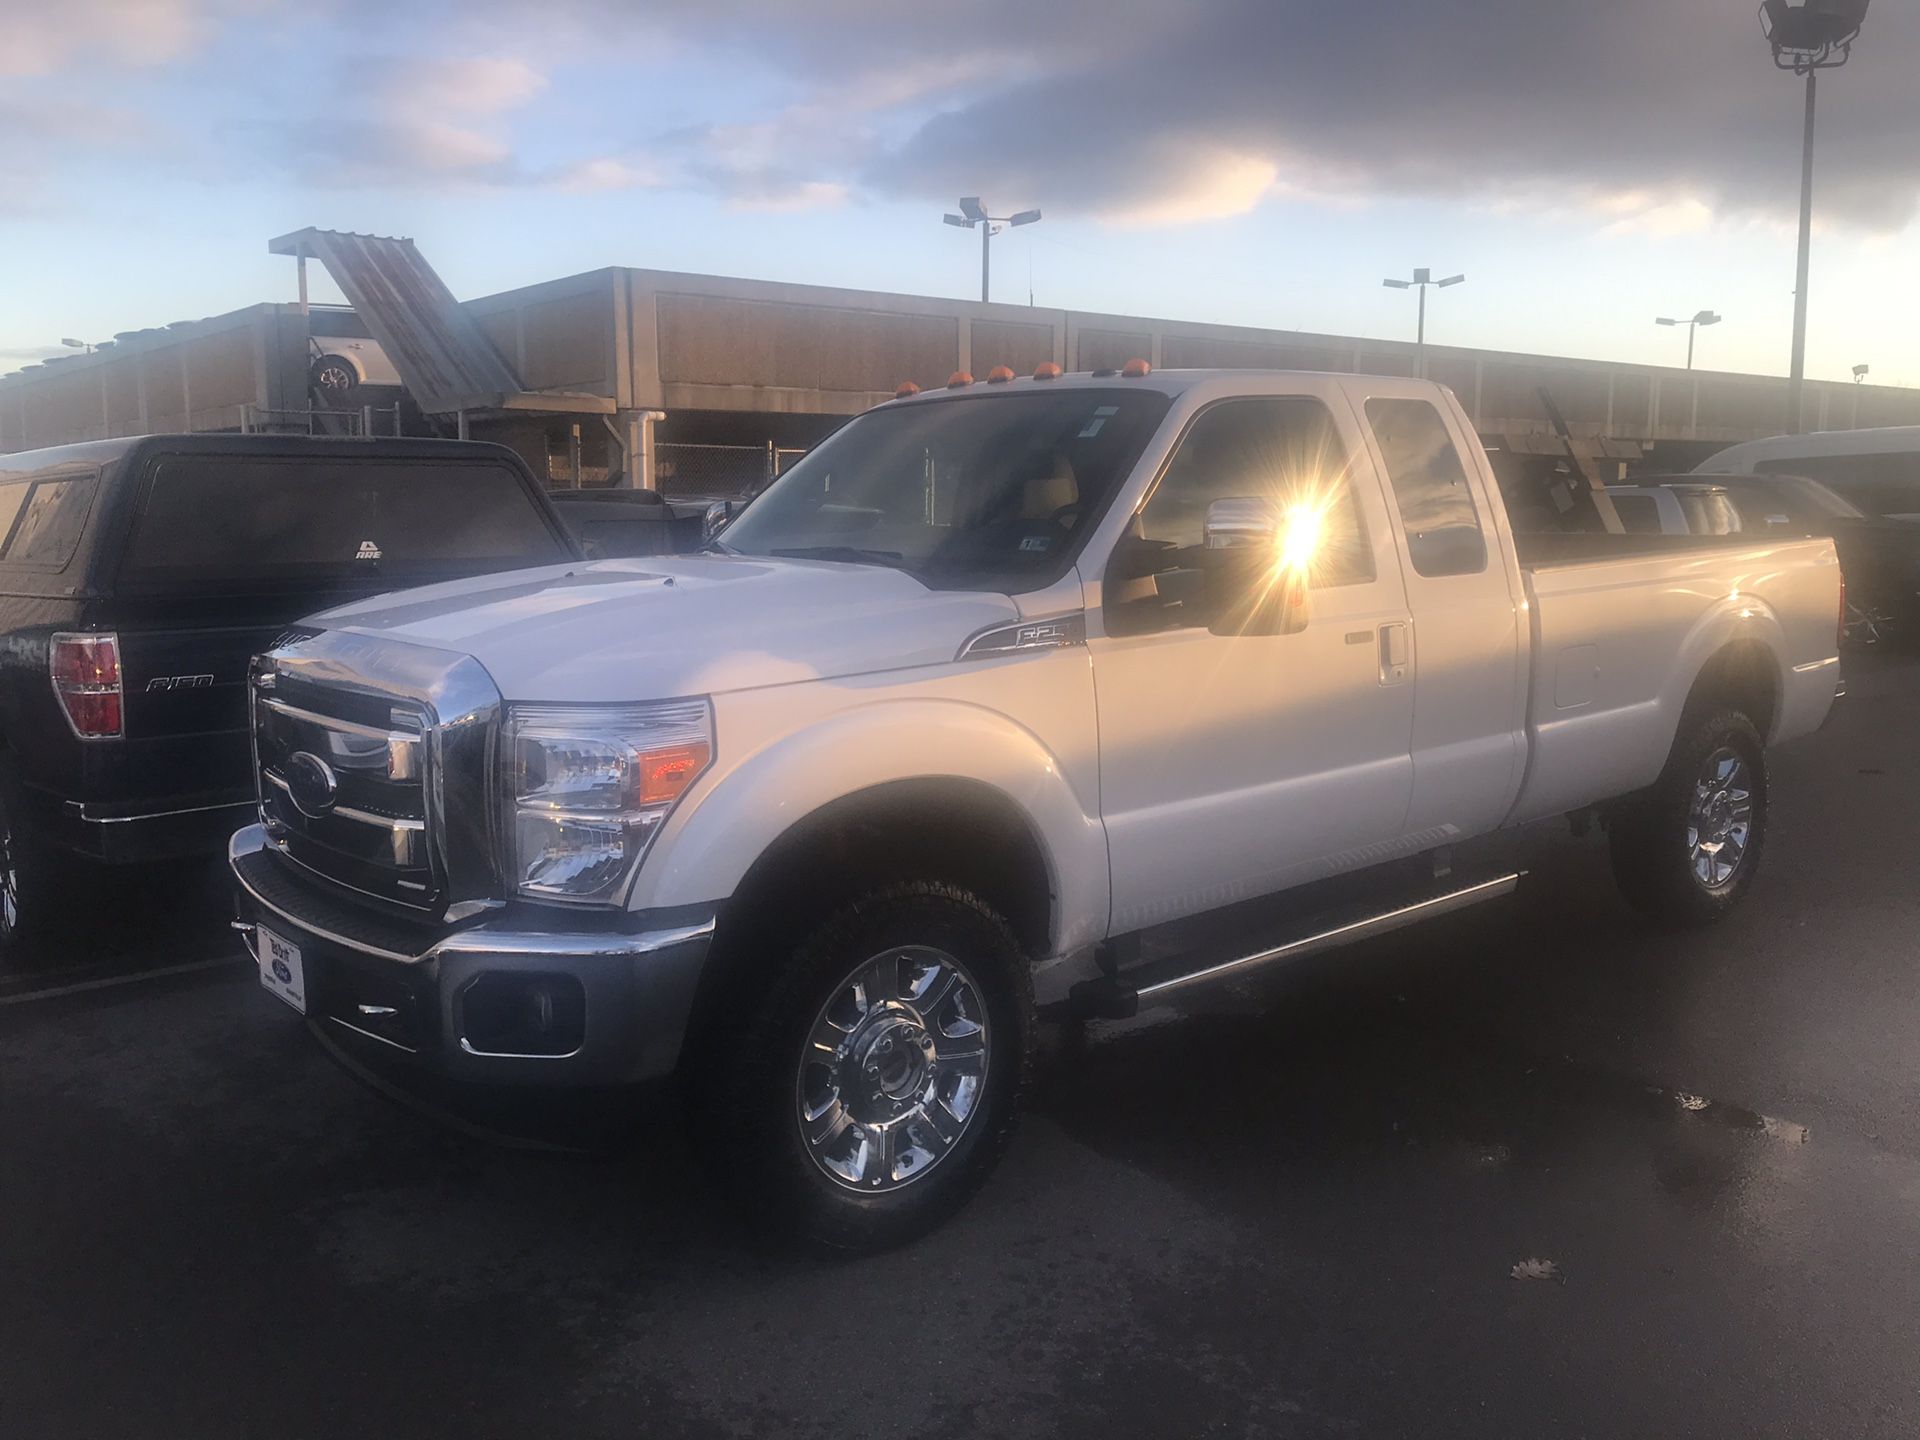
[(1396, 656)]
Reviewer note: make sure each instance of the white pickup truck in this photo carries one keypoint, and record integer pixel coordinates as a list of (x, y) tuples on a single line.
[(1001, 675)]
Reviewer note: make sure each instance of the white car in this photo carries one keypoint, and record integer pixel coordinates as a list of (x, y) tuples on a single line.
[(996, 682), (1877, 470)]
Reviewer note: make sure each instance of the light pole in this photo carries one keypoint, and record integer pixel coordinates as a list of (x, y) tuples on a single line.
[(1421, 281), (973, 213), (1859, 374), (1705, 317), (1808, 37)]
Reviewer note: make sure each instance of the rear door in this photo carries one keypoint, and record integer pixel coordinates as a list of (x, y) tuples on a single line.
[(1468, 656), (226, 550)]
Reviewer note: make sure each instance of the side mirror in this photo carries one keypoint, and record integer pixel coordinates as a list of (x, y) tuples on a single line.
[(1243, 523), (715, 519), (1257, 588)]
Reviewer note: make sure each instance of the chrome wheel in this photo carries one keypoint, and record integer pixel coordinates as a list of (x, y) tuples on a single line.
[(9, 883), (1720, 819), (894, 1069)]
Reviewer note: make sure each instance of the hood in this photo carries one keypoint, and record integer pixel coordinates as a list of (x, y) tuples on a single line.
[(660, 626)]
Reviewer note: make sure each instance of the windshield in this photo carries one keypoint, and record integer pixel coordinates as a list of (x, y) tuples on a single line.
[(1787, 500), (1887, 484), (989, 489)]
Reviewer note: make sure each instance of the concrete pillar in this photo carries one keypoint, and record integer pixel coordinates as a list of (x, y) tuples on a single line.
[(633, 433)]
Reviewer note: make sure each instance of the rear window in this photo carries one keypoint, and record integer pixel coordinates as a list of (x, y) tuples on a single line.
[(41, 520), (246, 518), (1639, 514), (1709, 512), (1430, 487), (1887, 484)]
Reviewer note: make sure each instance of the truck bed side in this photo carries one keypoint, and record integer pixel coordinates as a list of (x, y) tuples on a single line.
[(1618, 645)]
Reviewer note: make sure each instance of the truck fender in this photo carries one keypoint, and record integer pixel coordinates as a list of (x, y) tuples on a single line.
[(737, 812), (1743, 620)]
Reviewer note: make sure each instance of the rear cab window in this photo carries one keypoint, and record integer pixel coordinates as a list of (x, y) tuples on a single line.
[(243, 519), (41, 520), (1430, 487)]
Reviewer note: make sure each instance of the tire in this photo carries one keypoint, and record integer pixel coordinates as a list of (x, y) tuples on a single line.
[(336, 383), (1686, 850), (36, 880), (909, 1107)]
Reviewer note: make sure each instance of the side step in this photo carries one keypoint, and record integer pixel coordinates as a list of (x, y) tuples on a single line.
[(1118, 997)]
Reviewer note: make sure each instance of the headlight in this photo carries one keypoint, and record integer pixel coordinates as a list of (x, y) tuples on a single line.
[(589, 786)]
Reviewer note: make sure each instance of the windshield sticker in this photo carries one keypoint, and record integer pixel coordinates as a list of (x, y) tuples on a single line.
[(1035, 542), (1100, 418), (367, 551)]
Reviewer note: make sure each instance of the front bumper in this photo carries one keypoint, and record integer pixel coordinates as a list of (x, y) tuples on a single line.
[(508, 1000)]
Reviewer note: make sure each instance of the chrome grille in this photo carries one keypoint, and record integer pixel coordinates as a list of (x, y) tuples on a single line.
[(371, 831), (375, 762)]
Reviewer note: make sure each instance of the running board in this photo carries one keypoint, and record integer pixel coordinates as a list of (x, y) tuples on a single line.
[(1118, 997)]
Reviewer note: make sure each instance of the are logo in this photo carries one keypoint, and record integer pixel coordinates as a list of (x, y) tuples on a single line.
[(311, 784), (367, 551)]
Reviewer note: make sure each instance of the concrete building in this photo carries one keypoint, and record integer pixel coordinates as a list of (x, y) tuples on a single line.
[(699, 384)]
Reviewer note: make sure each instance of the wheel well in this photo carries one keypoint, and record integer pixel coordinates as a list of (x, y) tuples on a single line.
[(1743, 676), (959, 831)]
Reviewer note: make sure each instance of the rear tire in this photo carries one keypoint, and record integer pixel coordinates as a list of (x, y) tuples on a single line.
[(36, 880), (859, 1095), (1686, 849)]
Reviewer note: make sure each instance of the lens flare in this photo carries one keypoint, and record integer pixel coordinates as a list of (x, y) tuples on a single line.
[(1302, 528)]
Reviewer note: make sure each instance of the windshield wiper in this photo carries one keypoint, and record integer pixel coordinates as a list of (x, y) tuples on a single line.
[(847, 554)]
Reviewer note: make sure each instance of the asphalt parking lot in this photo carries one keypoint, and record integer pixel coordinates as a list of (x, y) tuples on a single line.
[(1292, 1207)]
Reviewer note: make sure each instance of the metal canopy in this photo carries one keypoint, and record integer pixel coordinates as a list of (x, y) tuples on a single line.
[(443, 357)]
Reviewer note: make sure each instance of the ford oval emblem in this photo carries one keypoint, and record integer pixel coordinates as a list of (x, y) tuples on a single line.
[(311, 783)]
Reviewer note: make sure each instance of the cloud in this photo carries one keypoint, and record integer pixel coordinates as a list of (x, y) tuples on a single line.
[(1455, 99), (396, 121), (1640, 115), (43, 37), (606, 172)]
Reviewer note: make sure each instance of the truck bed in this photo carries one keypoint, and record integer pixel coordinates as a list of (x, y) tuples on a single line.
[(1623, 624)]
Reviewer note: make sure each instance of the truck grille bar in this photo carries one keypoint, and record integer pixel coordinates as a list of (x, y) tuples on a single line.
[(373, 766)]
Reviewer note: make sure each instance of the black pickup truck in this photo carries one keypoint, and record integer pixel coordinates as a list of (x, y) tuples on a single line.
[(138, 577)]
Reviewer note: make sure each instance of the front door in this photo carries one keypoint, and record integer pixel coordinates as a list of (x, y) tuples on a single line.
[(1234, 765)]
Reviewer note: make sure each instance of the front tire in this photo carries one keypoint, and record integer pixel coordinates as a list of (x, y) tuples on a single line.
[(1685, 851), (36, 887), (874, 1081)]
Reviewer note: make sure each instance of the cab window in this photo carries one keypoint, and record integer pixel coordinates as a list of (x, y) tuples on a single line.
[(1283, 448), (1430, 487)]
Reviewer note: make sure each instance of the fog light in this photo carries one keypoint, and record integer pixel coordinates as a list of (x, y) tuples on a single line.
[(507, 1013)]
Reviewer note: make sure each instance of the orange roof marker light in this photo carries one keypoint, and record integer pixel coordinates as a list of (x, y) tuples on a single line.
[(959, 380), (999, 374), (1136, 369), (1047, 370), (907, 387)]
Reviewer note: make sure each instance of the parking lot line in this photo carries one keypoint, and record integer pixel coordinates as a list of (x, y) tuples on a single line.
[(110, 982)]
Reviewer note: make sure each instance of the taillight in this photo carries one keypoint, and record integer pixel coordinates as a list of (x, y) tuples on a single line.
[(86, 678)]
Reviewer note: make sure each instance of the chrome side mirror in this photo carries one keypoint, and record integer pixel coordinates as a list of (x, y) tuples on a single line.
[(715, 519), (1255, 590), (1242, 522)]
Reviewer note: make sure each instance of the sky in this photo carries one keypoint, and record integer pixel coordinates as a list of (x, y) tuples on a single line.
[(1261, 162)]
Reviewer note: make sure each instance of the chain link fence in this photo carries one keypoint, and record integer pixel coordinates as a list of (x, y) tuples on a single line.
[(719, 472)]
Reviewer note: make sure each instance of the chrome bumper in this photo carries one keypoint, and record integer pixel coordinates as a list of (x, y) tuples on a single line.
[(507, 1000)]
